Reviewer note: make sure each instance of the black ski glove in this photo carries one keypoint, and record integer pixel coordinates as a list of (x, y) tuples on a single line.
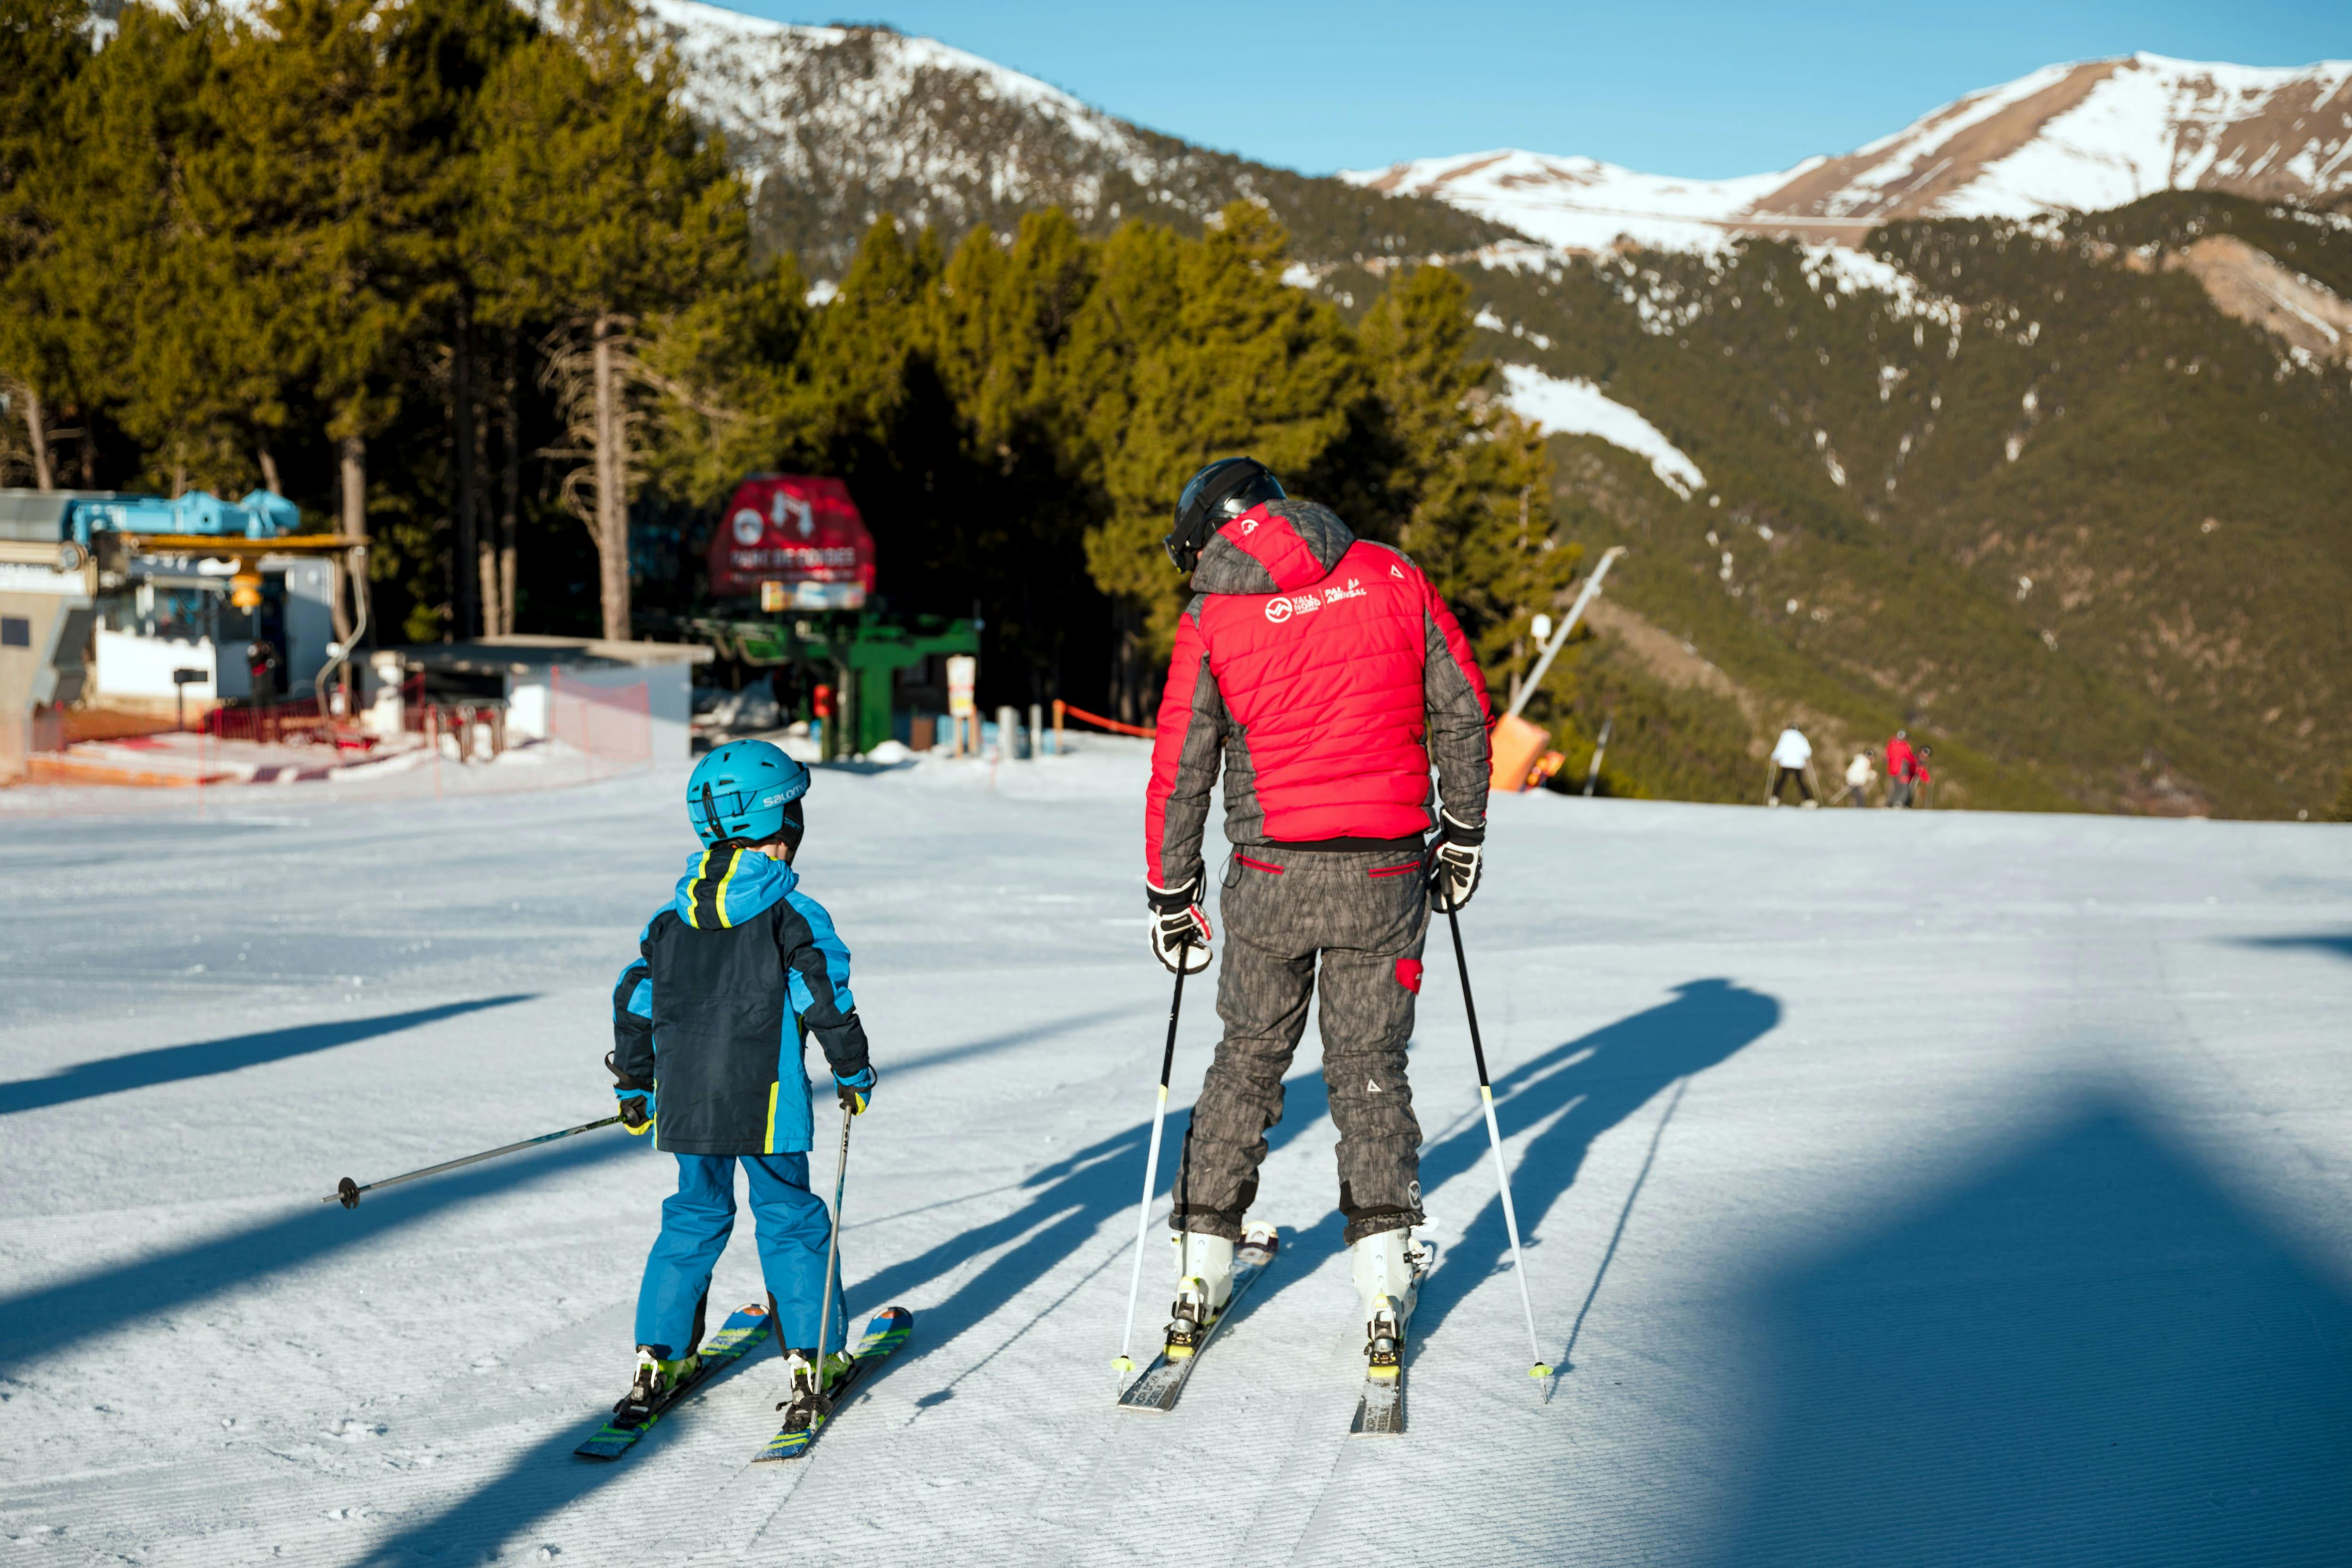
[(1454, 861), (634, 1099), (1180, 931)]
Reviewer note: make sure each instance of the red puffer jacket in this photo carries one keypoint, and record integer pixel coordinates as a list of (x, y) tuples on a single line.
[(1325, 674)]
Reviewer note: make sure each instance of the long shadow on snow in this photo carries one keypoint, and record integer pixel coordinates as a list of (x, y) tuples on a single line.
[(2087, 1350), (39, 1323), (2337, 944), (1588, 1085), (1069, 1201), (175, 1064)]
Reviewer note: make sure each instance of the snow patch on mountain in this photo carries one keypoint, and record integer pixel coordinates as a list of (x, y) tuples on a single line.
[(756, 81), (1579, 204), (1574, 406)]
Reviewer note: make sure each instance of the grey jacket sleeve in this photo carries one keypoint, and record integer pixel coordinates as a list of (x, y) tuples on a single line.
[(1185, 752), (1459, 717)]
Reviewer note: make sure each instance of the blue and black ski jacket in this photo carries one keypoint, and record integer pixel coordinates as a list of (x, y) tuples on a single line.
[(729, 980)]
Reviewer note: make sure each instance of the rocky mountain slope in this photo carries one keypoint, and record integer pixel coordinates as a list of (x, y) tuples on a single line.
[(2083, 137), (838, 125), (2064, 495)]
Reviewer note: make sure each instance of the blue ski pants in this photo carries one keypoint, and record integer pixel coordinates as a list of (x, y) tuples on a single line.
[(793, 1228)]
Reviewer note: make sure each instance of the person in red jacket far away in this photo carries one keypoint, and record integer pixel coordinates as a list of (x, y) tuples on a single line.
[(1902, 768), (1323, 674)]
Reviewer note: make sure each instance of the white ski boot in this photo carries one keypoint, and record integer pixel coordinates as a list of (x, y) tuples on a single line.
[(1205, 1284), (1388, 1270)]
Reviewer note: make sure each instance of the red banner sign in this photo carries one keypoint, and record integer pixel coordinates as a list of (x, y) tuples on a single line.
[(800, 533)]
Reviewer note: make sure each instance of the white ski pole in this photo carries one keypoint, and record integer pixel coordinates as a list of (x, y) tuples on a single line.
[(1126, 1363), (1540, 1371), (832, 1257)]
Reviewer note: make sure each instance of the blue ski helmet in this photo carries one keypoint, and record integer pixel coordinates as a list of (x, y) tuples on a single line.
[(746, 792)]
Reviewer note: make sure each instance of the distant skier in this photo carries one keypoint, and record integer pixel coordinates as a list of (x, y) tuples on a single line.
[(1902, 767), (1923, 782), (1792, 756), (1326, 675), (1859, 776), (730, 977)]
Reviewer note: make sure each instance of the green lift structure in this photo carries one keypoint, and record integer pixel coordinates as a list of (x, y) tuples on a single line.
[(857, 652)]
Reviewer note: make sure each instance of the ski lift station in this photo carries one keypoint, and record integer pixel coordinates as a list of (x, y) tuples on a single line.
[(130, 600)]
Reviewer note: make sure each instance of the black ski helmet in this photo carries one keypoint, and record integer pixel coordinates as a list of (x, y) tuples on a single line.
[(1214, 497)]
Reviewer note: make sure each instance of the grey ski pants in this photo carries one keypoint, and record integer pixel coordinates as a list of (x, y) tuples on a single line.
[(1361, 919)]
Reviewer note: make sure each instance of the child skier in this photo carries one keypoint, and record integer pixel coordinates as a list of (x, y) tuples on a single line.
[(707, 1026)]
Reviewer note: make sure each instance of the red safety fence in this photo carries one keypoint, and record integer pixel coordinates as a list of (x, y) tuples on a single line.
[(1099, 723)]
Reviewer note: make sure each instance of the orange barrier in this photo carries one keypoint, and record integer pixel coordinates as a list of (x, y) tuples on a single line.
[(1099, 723)]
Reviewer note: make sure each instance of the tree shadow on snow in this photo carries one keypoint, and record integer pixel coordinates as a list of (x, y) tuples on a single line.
[(38, 1323), (2087, 1351), (176, 1064)]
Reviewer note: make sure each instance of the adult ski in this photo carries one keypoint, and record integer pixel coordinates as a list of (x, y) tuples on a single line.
[(884, 1334), (1162, 1383), (1379, 1409), (745, 1330)]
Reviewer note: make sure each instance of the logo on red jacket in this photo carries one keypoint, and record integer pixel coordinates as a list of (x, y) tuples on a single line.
[(1278, 610)]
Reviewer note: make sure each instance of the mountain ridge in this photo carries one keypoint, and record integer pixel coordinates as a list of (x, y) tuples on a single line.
[(835, 126), (2087, 135)]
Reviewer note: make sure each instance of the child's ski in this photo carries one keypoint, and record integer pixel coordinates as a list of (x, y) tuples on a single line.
[(886, 1331), (743, 1332), (1162, 1382)]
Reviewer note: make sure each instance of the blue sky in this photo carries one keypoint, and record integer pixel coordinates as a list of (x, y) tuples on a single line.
[(1705, 90)]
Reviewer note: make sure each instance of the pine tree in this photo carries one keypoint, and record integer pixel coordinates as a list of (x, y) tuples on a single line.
[(600, 201), (1243, 364), (731, 387), (1470, 481), (43, 45)]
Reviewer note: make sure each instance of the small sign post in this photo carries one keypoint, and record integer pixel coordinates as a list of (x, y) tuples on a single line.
[(182, 678)]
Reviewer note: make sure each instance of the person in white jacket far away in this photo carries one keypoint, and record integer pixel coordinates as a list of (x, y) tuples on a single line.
[(1859, 776), (1791, 754)]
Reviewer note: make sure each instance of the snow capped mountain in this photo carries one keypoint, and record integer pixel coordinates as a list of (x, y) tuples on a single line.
[(836, 126), (2085, 137)]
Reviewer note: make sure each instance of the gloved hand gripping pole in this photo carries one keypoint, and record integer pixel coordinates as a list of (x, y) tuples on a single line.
[(1540, 1371), (1152, 1161)]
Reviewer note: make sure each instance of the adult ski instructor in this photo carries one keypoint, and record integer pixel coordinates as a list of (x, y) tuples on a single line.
[(1324, 674)]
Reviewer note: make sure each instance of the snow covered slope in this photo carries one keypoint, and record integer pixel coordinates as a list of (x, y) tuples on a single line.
[(1930, 1187), (1572, 406), (2088, 137)]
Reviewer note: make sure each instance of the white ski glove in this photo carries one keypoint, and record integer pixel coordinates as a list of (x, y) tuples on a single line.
[(1179, 926), (1454, 861)]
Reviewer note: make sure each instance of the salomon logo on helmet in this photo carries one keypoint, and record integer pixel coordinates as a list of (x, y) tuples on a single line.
[(746, 792)]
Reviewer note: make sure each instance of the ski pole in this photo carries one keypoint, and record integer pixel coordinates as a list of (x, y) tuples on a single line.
[(831, 1257), (1151, 1162), (1539, 1371), (347, 1191)]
